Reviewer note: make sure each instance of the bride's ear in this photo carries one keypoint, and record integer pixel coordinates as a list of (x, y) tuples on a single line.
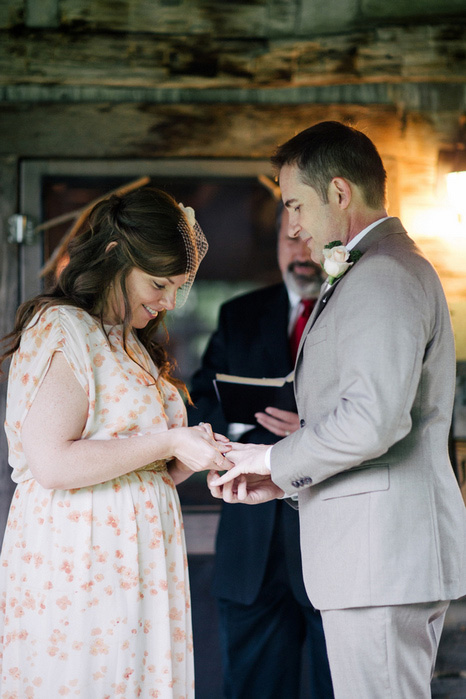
[(111, 245)]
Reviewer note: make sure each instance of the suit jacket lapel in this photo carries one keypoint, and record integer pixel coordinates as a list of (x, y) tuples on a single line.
[(323, 299), (388, 227)]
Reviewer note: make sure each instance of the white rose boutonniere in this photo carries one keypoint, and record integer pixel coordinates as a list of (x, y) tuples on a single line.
[(189, 213), (338, 260)]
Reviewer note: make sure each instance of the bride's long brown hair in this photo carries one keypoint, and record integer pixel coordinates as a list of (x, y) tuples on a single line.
[(146, 226)]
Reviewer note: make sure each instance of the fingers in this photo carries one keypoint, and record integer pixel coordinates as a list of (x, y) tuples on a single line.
[(230, 475), (216, 491), (221, 438), (216, 436), (207, 427), (221, 462), (279, 422), (230, 491), (238, 446), (272, 425), (242, 488), (284, 415), (221, 446), (218, 461)]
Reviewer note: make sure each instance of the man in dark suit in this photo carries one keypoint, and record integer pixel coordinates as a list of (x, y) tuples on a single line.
[(265, 614)]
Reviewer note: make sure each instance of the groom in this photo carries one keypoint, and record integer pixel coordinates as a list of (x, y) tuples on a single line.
[(383, 526)]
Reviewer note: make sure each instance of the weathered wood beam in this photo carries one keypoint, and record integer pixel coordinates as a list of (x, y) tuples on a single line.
[(434, 97), (234, 17), (390, 55), (184, 131), (247, 18)]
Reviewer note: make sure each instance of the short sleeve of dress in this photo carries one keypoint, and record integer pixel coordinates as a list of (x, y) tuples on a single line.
[(58, 329)]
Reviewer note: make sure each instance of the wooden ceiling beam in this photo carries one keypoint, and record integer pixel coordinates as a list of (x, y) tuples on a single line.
[(394, 55)]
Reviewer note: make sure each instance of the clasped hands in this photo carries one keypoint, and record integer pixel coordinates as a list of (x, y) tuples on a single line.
[(246, 478)]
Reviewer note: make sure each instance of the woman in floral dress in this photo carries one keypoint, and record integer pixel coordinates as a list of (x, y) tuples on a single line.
[(93, 573)]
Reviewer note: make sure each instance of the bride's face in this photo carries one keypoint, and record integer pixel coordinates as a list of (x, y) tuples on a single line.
[(147, 295)]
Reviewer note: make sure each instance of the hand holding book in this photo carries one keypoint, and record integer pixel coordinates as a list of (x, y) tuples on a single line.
[(242, 397), (279, 422)]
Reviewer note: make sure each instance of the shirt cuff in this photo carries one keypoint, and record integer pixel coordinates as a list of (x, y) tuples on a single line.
[(293, 497), (268, 459)]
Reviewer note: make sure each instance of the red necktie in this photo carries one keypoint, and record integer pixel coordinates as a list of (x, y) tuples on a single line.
[(307, 306)]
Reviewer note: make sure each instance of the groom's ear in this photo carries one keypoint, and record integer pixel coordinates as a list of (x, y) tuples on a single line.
[(340, 192)]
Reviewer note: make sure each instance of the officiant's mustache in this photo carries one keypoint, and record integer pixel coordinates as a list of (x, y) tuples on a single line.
[(305, 265)]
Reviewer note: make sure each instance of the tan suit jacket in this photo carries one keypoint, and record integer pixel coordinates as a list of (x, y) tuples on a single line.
[(382, 518)]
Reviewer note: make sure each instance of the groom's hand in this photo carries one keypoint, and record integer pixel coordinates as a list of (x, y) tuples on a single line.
[(248, 481), (248, 489), (247, 458)]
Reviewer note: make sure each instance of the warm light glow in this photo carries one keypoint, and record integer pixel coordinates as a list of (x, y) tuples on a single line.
[(456, 189), (434, 222)]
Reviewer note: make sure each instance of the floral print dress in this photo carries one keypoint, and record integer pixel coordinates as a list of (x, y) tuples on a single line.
[(93, 582)]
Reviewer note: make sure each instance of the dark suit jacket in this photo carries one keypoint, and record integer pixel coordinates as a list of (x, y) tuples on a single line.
[(251, 340)]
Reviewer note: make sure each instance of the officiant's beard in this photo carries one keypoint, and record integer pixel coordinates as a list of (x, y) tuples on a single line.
[(304, 285)]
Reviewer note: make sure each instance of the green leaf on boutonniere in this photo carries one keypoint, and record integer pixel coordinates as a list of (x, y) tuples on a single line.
[(355, 255), (333, 244)]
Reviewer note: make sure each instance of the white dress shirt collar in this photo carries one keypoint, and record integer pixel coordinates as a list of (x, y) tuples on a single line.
[(293, 297), (352, 244)]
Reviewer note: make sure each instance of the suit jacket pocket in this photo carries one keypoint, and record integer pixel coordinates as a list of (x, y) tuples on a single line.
[(365, 479)]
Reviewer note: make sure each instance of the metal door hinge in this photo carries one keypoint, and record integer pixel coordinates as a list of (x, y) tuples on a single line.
[(21, 230)]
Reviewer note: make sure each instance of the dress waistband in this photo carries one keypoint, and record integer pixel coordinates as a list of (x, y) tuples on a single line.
[(160, 465)]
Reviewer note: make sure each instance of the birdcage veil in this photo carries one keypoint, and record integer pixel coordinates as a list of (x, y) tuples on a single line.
[(196, 247)]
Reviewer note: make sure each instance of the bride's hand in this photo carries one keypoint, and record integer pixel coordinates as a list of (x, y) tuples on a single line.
[(198, 449), (207, 427)]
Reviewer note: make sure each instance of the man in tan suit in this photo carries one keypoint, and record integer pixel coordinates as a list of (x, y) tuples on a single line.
[(383, 524)]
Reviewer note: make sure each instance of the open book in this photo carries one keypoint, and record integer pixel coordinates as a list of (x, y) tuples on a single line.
[(241, 397)]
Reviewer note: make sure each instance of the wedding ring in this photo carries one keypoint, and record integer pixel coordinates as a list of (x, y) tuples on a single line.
[(201, 423), (287, 433)]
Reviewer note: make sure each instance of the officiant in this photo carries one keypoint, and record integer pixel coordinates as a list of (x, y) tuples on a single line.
[(264, 610)]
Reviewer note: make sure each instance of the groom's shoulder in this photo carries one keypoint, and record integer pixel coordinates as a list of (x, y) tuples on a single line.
[(394, 259), (403, 250)]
